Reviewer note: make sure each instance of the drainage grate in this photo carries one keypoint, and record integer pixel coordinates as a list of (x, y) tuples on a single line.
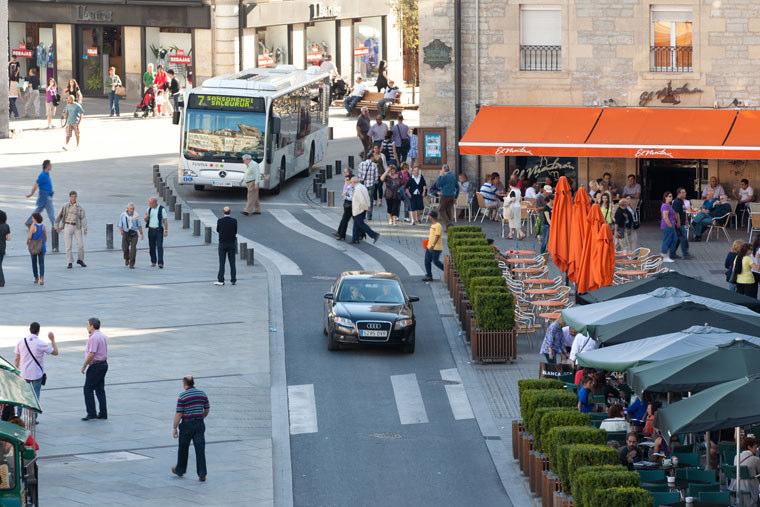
[(386, 436), (111, 457)]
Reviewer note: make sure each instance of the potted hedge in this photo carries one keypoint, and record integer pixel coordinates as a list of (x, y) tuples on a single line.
[(571, 457), (622, 497), (559, 418), (492, 337), (564, 435), (538, 462), (588, 479), (522, 385), (530, 400)]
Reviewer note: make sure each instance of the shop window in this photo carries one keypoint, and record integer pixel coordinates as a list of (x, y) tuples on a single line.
[(540, 38), (98, 48), (172, 48), (320, 41), (32, 45), (368, 49), (272, 46), (671, 39)]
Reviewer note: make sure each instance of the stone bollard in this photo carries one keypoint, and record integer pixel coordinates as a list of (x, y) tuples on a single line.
[(109, 236), (172, 202), (249, 257), (196, 227), (323, 194), (315, 185), (329, 133), (177, 210), (330, 198), (338, 167), (55, 240), (243, 250), (351, 162), (207, 238), (185, 220), (328, 171), (156, 169)]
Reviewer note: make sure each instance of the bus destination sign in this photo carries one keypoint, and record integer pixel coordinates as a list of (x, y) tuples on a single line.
[(226, 103)]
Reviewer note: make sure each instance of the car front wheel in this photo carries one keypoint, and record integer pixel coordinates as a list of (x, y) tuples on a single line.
[(408, 347), (332, 343)]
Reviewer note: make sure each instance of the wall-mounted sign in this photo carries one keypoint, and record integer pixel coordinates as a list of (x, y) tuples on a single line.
[(432, 142), (265, 60), (437, 54), (667, 95), (361, 50), (21, 51), (318, 10), (180, 59), (85, 13), (538, 168), (92, 51)]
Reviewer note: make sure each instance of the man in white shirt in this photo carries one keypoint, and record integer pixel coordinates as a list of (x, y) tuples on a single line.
[(391, 94), (746, 195), (715, 187), (532, 191), (355, 96), (30, 355), (328, 66), (378, 131), (582, 343), (488, 190)]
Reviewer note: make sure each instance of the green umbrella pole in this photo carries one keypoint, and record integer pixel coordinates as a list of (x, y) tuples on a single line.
[(738, 463)]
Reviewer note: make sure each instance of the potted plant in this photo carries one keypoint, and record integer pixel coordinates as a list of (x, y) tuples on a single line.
[(622, 497)]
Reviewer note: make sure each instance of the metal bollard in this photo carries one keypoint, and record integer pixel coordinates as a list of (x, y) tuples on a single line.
[(328, 171), (338, 167), (330, 198), (109, 236), (178, 211), (243, 250), (172, 202), (156, 169), (351, 162), (207, 238), (185, 220), (323, 194), (249, 257), (329, 133), (55, 240), (196, 227)]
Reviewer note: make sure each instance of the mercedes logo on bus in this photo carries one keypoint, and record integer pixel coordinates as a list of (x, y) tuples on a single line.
[(222, 174)]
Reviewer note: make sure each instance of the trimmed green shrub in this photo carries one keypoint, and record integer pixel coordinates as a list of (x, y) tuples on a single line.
[(485, 282), (538, 416), (494, 311), (587, 479), (621, 497), (571, 457), (530, 400), (457, 229), (462, 260), (536, 384), (483, 268), (454, 243), (569, 417), (558, 436)]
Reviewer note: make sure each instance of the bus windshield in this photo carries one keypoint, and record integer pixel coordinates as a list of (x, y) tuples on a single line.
[(216, 134)]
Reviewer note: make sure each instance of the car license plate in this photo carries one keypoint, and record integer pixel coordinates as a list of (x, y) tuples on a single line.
[(374, 334), (218, 183)]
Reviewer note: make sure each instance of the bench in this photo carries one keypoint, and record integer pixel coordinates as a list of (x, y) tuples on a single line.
[(370, 100)]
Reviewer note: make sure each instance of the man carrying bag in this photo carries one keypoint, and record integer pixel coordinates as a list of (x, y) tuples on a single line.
[(30, 353)]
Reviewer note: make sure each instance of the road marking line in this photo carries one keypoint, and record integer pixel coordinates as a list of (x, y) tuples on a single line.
[(303, 409), (412, 266), (460, 404), (406, 391), (284, 264), (367, 262)]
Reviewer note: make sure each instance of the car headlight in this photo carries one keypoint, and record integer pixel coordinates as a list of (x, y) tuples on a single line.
[(402, 323), (344, 322)]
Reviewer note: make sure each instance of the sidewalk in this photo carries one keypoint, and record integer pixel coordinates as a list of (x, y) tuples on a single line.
[(161, 325)]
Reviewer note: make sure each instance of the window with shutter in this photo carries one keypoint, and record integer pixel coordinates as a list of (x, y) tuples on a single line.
[(671, 39), (540, 37)]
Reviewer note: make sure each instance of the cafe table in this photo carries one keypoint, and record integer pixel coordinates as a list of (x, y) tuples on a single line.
[(538, 281), (550, 315), (629, 262), (623, 253), (528, 271), (521, 260), (633, 273), (520, 252), (542, 292), (549, 304)]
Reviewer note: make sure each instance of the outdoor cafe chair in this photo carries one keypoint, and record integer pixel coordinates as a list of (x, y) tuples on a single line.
[(681, 472), (716, 497), (658, 488), (753, 224), (694, 489), (641, 253), (719, 224), (700, 476), (733, 216), (650, 476), (482, 209), (463, 204), (431, 204), (664, 497)]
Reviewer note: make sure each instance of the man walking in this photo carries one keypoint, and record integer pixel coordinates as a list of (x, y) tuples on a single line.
[(362, 131), (368, 175), (45, 197), (226, 227), (449, 187), (30, 355), (130, 227), (252, 179), (74, 115), (360, 203), (378, 131), (188, 426), (158, 229), (434, 247), (682, 237), (94, 368), (401, 139), (72, 222)]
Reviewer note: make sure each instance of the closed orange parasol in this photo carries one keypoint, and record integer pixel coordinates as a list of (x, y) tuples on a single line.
[(598, 259), (559, 232), (579, 232), (584, 277)]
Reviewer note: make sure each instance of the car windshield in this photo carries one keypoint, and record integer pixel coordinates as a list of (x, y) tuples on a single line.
[(216, 135), (371, 291)]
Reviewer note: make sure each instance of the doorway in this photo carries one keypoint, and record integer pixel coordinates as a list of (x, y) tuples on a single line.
[(98, 48), (666, 175)]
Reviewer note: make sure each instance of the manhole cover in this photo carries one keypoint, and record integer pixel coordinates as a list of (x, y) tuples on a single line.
[(386, 436), (111, 457)]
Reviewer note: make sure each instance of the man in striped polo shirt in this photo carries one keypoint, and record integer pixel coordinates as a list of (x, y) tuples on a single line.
[(192, 408)]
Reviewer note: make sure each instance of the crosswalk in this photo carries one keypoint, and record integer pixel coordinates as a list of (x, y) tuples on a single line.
[(410, 405)]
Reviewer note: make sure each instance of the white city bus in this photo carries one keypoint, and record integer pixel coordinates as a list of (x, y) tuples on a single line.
[(279, 116)]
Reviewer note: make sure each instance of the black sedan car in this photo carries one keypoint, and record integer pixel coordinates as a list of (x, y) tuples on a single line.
[(366, 307)]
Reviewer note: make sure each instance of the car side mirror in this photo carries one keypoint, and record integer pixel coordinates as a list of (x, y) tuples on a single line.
[(329, 295), (413, 299)]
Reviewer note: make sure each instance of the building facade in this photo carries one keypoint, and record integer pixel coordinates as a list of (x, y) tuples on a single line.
[(606, 53)]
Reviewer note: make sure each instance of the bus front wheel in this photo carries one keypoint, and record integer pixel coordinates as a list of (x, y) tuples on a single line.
[(199, 188)]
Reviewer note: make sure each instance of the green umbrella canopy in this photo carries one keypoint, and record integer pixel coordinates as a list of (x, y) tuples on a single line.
[(7, 365), (16, 391), (727, 405), (698, 370), (624, 356)]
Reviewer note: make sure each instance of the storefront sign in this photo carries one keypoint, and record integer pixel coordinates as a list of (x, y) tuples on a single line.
[(265, 60), (319, 10), (538, 168), (361, 51), (432, 146), (85, 13), (437, 54), (226, 102), (180, 59), (667, 95), (21, 51), (653, 153), (92, 51)]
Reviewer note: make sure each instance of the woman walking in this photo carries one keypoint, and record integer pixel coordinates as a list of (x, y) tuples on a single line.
[(36, 242), (416, 189), (745, 279), (382, 76), (392, 185), (52, 99), (114, 82), (411, 157), (73, 90), (513, 210), (547, 210), (668, 227), (12, 98), (347, 193), (5, 236), (161, 82)]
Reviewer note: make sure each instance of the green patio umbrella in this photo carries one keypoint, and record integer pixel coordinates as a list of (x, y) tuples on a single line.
[(16, 391), (698, 370)]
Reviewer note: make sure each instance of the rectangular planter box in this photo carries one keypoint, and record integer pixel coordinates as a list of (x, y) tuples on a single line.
[(535, 468), (517, 427), (562, 500), (447, 271), (550, 485), (492, 346), (526, 442)]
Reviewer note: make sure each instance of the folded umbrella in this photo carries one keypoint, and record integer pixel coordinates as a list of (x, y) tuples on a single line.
[(559, 232), (579, 233)]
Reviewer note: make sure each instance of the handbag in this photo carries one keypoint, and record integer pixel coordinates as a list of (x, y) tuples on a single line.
[(121, 91), (35, 245), (734, 272), (43, 380)]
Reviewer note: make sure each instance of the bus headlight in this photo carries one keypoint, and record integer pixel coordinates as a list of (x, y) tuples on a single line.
[(189, 172)]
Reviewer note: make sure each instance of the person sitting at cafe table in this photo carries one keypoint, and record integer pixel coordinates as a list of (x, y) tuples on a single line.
[(748, 458), (610, 185), (585, 405), (615, 420), (746, 195), (702, 220), (630, 454), (632, 189), (496, 182), (713, 187), (488, 189), (602, 387)]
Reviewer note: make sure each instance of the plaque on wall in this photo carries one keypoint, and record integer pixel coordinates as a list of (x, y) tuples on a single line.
[(437, 54), (432, 147)]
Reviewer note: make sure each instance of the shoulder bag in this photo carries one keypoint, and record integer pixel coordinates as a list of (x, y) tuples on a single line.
[(43, 379), (35, 245)]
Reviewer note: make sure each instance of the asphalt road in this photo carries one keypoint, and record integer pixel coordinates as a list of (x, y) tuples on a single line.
[(358, 452)]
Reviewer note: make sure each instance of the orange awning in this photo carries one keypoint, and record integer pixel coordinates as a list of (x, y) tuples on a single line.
[(624, 132)]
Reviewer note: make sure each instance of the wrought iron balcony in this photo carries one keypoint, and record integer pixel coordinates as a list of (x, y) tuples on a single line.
[(670, 58), (541, 58)]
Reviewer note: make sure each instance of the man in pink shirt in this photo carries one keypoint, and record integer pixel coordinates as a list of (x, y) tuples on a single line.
[(30, 355), (95, 367)]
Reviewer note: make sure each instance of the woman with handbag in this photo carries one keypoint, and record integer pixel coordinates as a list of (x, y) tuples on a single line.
[(114, 82), (52, 100), (392, 185), (36, 243)]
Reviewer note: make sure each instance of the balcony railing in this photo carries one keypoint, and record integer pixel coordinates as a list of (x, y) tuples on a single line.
[(541, 58), (670, 58)]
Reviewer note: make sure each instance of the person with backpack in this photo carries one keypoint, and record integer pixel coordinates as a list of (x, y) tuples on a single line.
[(158, 228)]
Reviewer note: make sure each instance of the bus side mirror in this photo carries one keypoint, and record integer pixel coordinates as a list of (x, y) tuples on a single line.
[(175, 118), (276, 124)]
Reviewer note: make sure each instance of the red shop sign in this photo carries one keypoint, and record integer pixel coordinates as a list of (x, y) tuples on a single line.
[(92, 51), (314, 56), (265, 60), (22, 52), (361, 51), (178, 59)]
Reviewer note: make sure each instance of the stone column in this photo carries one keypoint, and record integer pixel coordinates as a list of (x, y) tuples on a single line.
[(133, 51), (394, 50), (4, 131), (64, 54), (346, 50), (298, 45), (225, 22), (249, 48), (203, 57)]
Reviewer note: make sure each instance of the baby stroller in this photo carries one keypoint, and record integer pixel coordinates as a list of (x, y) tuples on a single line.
[(339, 89), (147, 105)]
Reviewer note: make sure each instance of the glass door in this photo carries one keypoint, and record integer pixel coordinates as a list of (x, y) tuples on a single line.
[(99, 47)]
